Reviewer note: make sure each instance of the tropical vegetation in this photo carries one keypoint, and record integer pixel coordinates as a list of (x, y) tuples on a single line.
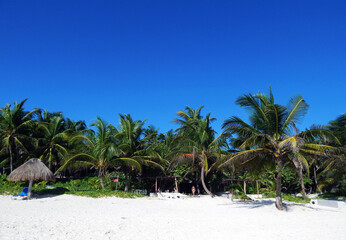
[(268, 149)]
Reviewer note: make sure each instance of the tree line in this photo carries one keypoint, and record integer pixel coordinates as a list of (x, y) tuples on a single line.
[(268, 146)]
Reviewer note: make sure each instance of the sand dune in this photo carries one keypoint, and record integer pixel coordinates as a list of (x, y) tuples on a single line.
[(72, 217)]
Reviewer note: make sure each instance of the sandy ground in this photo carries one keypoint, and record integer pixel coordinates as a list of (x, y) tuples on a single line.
[(72, 217)]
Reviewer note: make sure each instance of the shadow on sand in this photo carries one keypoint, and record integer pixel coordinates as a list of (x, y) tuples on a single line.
[(49, 193), (288, 206)]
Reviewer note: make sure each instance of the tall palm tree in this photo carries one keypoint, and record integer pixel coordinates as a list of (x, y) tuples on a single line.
[(16, 128), (132, 145), (269, 136), (53, 140), (101, 151), (187, 117), (197, 143), (166, 144), (333, 170)]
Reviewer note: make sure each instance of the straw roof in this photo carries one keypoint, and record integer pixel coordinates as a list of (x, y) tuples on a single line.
[(32, 170)]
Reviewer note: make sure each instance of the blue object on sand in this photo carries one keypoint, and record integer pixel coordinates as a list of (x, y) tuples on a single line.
[(24, 193)]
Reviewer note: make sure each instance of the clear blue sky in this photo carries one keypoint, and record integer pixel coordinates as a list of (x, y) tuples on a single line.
[(151, 58)]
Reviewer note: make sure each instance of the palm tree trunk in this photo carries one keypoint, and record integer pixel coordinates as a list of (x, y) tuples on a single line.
[(315, 178), (11, 161), (278, 202), (126, 182), (50, 159), (302, 181), (202, 180), (101, 173)]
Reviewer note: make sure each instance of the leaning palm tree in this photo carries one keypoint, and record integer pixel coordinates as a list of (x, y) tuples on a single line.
[(16, 127), (303, 149), (101, 151), (268, 137)]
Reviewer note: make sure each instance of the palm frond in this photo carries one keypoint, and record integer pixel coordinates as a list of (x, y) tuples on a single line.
[(295, 111)]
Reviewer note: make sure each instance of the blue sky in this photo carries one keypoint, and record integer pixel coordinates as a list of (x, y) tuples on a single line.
[(151, 58)]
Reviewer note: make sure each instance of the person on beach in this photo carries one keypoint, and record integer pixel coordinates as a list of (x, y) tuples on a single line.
[(193, 190)]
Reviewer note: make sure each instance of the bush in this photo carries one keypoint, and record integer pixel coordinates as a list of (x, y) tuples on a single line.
[(10, 188), (88, 186), (287, 197)]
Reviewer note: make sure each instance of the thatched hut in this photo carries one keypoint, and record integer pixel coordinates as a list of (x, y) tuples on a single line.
[(30, 171)]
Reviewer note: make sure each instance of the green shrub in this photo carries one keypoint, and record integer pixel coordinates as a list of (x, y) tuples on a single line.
[(40, 185), (11, 188), (287, 197), (88, 186)]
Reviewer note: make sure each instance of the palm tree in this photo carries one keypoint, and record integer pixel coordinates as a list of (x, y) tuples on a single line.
[(75, 128), (151, 135), (16, 127), (338, 128), (332, 170), (188, 117), (132, 145), (45, 116), (269, 137), (197, 142), (165, 144), (54, 140), (101, 151)]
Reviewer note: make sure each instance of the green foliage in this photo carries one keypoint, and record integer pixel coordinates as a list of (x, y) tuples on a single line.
[(88, 187), (239, 195), (142, 152), (338, 128), (53, 141), (105, 193), (16, 133), (272, 138), (341, 194), (287, 197), (180, 170), (10, 188), (197, 144), (40, 185), (291, 198), (289, 180)]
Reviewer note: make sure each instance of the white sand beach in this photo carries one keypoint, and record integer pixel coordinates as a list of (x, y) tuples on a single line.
[(72, 217)]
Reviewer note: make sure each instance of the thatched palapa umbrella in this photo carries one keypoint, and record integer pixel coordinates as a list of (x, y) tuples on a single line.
[(30, 171)]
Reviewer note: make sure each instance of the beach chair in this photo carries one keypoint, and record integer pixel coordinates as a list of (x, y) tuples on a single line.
[(22, 195), (254, 197), (179, 195), (171, 195)]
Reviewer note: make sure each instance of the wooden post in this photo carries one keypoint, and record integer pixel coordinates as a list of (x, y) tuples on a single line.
[(116, 184), (176, 184), (257, 187), (156, 184), (245, 187), (29, 190)]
